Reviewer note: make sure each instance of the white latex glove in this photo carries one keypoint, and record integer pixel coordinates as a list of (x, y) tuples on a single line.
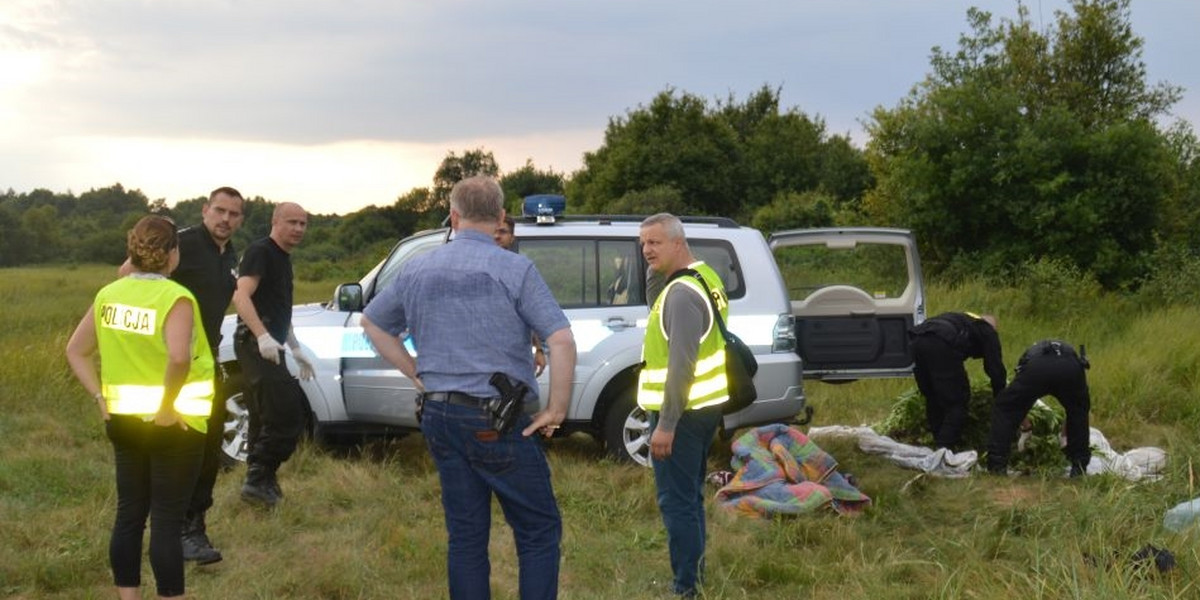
[(1023, 439), (269, 348), (304, 361)]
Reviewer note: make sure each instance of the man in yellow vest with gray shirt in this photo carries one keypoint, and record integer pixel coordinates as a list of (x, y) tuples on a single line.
[(682, 387)]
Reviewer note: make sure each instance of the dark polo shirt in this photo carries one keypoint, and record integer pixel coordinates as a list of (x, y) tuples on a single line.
[(211, 276)]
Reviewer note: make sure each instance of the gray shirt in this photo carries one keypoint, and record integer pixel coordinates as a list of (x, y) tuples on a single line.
[(685, 320), (469, 307)]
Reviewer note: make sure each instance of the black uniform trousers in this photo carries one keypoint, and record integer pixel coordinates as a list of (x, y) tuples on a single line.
[(202, 498), (942, 379), (275, 403), (1060, 375)]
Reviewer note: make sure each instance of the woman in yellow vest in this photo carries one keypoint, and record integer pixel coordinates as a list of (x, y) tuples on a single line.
[(154, 390)]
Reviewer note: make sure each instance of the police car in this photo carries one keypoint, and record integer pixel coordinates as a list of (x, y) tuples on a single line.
[(826, 304)]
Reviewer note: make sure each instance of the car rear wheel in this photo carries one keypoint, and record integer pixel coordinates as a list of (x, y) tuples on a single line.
[(627, 430)]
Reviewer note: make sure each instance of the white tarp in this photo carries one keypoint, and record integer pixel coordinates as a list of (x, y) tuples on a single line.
[(1146, 462), (1134, 465)]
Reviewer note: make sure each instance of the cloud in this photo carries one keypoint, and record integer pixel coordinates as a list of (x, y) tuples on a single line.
[(320, 71), (84, 84)]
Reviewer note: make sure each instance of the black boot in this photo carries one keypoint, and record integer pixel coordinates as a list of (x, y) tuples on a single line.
[(273, 481), (258, 489), (997, 465), (196, 546), (1078, 469)]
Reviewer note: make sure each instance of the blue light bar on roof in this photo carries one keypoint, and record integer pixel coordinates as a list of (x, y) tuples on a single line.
[(544, 207)]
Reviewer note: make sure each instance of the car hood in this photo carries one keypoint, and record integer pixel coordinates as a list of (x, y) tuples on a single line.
[(306, 320)]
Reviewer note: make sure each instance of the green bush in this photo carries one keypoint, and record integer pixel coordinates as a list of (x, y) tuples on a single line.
[(1055, 288), (1174, 278)]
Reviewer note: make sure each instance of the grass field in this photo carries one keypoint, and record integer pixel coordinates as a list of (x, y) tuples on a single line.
[(367, 523)]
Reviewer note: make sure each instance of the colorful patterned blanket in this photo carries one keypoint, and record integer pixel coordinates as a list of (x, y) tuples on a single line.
[(781, 472)]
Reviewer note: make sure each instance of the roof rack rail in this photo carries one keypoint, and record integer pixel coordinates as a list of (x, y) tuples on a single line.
[(718, 221)]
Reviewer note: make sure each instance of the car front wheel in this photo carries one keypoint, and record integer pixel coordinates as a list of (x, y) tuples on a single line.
[(627, 430), (237, 422)]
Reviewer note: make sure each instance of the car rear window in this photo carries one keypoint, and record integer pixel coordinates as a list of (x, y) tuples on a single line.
[(880, 270), (584, 272)]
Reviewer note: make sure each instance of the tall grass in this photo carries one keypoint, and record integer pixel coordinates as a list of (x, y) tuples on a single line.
[(367, 523)]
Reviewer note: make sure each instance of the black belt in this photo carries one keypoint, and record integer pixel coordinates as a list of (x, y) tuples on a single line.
[(458, 398)]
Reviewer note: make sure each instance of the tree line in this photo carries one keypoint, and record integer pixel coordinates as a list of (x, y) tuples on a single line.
[(1022, 146)]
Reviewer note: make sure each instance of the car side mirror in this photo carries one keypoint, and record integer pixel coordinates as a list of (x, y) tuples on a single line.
[(349, 297)]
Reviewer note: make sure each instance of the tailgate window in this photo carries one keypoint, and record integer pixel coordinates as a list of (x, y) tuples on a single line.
[(880, 270)]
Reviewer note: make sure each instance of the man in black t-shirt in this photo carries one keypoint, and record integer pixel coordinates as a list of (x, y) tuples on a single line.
[(273, 396), (940, 346), (208, 269)]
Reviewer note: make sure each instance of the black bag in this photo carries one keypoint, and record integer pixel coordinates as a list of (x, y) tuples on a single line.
[(740, 364)]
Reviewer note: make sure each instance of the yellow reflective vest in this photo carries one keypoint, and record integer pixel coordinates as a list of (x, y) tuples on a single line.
[(709, 386), (130, 314)]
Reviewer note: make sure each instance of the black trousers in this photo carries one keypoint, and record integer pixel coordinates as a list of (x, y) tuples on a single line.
[(1062, 376), (942, 379), (156, 470), (276, 405), (202, 498)]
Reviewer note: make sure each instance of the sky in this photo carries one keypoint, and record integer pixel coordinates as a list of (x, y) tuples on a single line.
[(341, 104)]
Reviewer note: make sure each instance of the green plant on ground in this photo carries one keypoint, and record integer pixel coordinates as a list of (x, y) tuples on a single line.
[(905, 422)]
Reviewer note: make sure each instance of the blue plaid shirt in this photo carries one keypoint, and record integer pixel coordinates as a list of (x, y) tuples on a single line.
[(469, 307)]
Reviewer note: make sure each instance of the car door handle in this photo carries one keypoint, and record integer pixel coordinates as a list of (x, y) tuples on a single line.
[(862, 313), (618, 323)]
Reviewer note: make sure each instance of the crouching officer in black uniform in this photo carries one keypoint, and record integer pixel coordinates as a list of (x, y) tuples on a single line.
[(940, 346), (1048, 367)]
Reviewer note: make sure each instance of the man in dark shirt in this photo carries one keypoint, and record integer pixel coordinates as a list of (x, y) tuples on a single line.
[(506, 237), (208, 269), (273, 396), (940, 347), (506, 233), (1049, 367)]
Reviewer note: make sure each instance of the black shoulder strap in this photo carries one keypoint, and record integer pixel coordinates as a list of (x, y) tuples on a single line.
[(707, 294)]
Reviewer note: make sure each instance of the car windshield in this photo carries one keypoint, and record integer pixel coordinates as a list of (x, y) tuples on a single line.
[(403, 253)]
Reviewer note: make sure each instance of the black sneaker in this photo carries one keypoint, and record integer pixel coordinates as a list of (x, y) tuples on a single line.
[(198, 549)]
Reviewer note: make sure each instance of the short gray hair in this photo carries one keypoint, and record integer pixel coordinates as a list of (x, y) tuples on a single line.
[(478, 199), (671, 225)]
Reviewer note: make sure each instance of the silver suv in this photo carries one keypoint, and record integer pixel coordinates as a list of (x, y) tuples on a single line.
[(594, 267)]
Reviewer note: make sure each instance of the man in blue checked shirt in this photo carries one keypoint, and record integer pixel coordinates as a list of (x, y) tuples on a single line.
[(470, 306)]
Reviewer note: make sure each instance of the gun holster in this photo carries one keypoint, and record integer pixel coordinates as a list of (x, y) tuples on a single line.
[(241, 335), (504, 410)]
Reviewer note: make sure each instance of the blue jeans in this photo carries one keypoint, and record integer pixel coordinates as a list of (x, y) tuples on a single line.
[(680, 483), (514, 468)]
